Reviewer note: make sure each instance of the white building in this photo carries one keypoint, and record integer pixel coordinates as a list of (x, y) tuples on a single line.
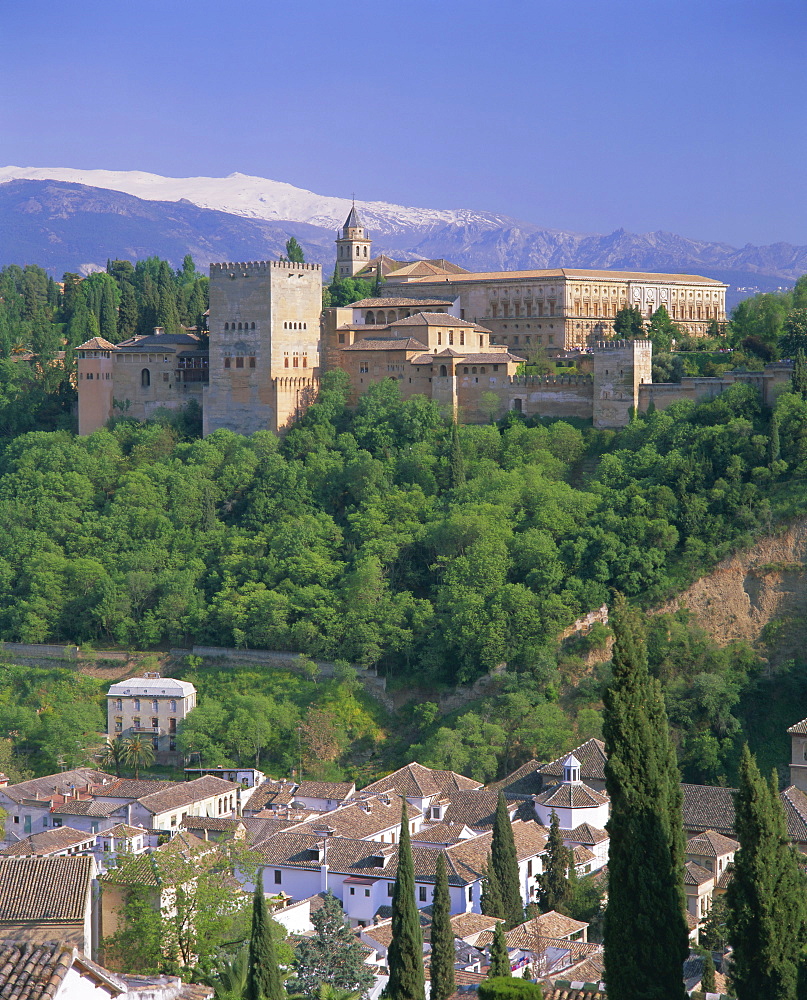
[(572, 801), (151, 707)]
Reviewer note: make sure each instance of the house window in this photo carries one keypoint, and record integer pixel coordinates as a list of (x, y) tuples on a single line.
[(390, 885), (155, 743), (172, 725), (137, 704), (94, 826), (145, 377), (366, 892), (252, 361), (154, 705), (239, 362), (136, 722), (352, 891), (118, 723), (278, 877), (155, 723), (226, 362), (470, 894), (172, 744), (529, 869), (422, 893), (119, 704), (341, 338), (172, 705)]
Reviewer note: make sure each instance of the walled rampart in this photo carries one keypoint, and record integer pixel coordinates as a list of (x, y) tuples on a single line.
[(263, 265)]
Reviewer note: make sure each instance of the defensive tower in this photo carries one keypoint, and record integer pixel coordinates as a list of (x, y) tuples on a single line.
[(620, 367)]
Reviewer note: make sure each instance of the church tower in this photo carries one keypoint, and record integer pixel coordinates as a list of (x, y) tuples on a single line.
[(352, 246)]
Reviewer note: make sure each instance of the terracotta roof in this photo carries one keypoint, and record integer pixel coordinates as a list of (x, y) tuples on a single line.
[(591, 755), (159, 342), (400, 302), (39, 889), (568, 795), (799, 729), (41, 845), (710, 844), (692, 921), (708, 807), (571, 993), (590, 970), (437, 319), (582, 855), (357, 823), (469, 925), (271, 791), (96, 344), (326, 789), (184, 793), (86, 807), (566, 272), (415, 780), (462, 977), (725, 877), (547, 925), (525, 780), (440, 833), (34, 971), (492, 358), (124, 830), (795, 805), (386, 344), (63, 783), (476, 809), (695, 874), (585, 833), (421, 268), (219, 824), (133, 788)]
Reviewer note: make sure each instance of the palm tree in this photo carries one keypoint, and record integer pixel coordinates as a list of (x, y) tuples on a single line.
[(137, 753), (229, 975), (112, 754)]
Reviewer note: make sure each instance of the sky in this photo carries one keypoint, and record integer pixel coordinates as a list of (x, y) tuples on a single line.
[(681, 115)]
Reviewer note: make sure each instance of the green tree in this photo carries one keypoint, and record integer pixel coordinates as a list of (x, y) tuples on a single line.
[(456, 462), (661, 329), (645, 932), (708, 973), (505, 864), (263, 978), (628, 323), (798, 380), (499, 959), (113, 755), (294, 252), (405, 954), (794, 337), (767, 917), (509, 988), (442, 936), (491, 902), (333, 955), (137, 753), (553, 882)]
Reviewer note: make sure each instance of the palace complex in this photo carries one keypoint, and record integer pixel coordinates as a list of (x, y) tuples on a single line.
[(455, 337)]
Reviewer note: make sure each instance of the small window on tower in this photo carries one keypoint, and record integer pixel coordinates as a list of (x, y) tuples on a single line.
[(252, 362), (226, 362), (239, 362), (341, 338)]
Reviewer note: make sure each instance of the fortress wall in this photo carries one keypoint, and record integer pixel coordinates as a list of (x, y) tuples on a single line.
[(559, 397)]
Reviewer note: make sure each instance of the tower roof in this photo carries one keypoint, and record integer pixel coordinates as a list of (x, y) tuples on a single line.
[(571, 761), (353, 221)]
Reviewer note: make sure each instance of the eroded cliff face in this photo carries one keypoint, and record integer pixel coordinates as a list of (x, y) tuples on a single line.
[(744, 593)]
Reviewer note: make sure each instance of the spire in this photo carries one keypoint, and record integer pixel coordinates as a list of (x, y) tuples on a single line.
[(353, 221)]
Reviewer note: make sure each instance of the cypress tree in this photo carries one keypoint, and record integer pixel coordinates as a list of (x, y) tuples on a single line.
[(708, 974), (456, 460), (645, 933), (442, 934), (505, 865), (405, 955), (263, 978), (773, 440), (798, 381), (499, 959), (553, 883), (490, 901), (766, 918)]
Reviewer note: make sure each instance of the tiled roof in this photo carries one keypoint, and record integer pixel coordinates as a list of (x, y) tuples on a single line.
[(695, 874), (590, 970), (39, 889), (795, 805), (96, 344), (63, 783), (725, 877), (124, 830), (437, 319), (184, 793), (571, 993), (172, 863), (546, 925), (149, 687), (490, 358), (40, 845), (133, 788), (386, 303), (415, 780), (708, 807), (710, 844), (356, 823), (36, 971), (219, 824), (466, 925), (159, 342), (86, 807), (439, 833), (586, 834), (799, 729), (476, 809), (591, 755), (326, 789), (566, 272), (691, 919), (386, 344), (582, 855), (569, 795), (525, 780), (271, 792)]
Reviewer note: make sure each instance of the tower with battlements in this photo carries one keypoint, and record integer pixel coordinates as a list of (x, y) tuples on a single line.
[(352, 246), (264, 344), (620, 367)]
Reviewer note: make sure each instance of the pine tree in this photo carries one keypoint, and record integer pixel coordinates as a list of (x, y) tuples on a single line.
[(405, 954), (798, 381), (505, 865), (456, 460), (442, 936), (127, 313), (490, 901), (499, 959), (294, 252), (332, 955), (766, 917), (645, 934), (773, 440), (263, 979), (553, 883), (708, 974)]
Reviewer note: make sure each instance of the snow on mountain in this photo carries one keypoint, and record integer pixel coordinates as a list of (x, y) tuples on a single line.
[(258, 198)]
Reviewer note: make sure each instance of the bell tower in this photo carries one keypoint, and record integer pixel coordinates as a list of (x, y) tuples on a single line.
[(352, 246)]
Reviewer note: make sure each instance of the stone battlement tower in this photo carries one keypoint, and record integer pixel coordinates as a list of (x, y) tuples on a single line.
[(264, 344), (352, 246), (620, 367)]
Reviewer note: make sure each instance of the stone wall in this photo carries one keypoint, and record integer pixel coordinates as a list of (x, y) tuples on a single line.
[(552, 396)]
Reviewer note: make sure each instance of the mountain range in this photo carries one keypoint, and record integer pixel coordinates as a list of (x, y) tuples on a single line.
[(74, 220)]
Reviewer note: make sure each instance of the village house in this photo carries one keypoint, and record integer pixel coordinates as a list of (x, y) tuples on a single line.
[(59, 843), (573, 801), (323, 796), (54, 970), (31, 805), (150, 707)]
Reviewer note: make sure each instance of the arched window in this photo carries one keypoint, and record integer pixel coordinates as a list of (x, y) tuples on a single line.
[(357, 251), (443, 370), (365, 251), (253, 326), (464, 371), (517, 404), (226, 326), (473, 371), (240, 327), (370, 316), (145, 377)]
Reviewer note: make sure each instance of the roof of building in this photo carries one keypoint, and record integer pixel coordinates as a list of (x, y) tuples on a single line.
[(41, 845), (467, 925), (799, 729), (151, 687), (39, 889), (547, 925), (96, 344), (86, 807), (571, 795), (524, 781), (361, 820), (133, 788), (183, 793), (490, 358), (64, 783), (476, 808), (795, 805), (218, 824), (591, 755), (579, 273), (394, 303), (586, 834), (386, 344), (124, 830), (582, 855), (416, 781), (695, 874), (353, 221), (325, 789), (708, 807), (271, 792), (427, 269), (710, 844), (167, 342), (439, 833), (36, 971), (559, 992), (437, 319)]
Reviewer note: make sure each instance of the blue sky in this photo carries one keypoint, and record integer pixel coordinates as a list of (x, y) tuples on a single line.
[(685, 116)]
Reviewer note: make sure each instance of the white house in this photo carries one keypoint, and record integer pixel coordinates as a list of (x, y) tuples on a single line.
[(572, 801)]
